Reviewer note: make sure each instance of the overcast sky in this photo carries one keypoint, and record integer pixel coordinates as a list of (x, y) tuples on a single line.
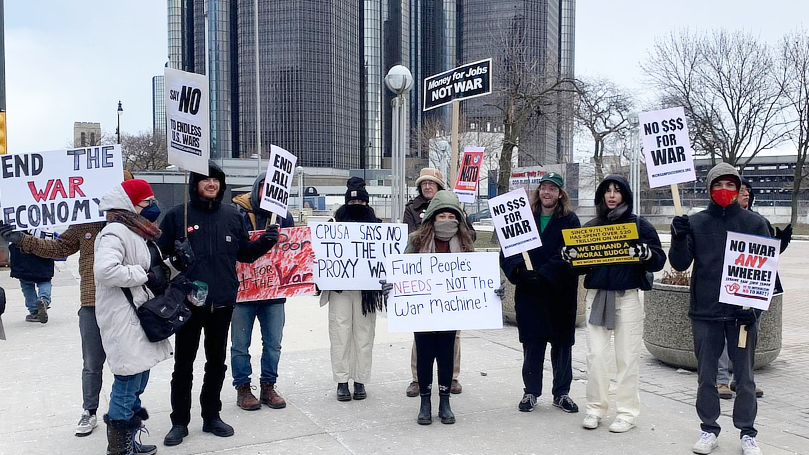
[(73, 61)]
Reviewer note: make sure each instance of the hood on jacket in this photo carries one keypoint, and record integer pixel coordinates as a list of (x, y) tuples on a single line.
[(626, 192), (213, 171), (722, 170), (442, 201), (116, 198), (751, 194)]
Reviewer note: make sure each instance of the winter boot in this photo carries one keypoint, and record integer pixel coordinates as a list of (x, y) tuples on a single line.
[(270, 397), (119, 436), (137, 447), (444, 411), (342, 392), (425, 412), (245, 398)]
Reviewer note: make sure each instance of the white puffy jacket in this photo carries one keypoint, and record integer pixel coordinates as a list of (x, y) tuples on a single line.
[(121, 260)]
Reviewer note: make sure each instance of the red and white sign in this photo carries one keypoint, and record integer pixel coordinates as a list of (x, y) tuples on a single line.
[(285, 271), (748, 276), (469, 174)]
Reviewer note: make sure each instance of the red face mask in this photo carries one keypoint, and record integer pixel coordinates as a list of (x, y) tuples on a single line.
[(724, 197)]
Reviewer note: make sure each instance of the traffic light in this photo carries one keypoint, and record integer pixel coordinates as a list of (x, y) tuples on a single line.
[(3, 150)]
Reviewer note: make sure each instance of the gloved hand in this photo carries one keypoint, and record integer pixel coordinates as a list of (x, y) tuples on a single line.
[(745, 316), (785, 236), (526, 276), (386, 287), (10, 236), (156, 280), (680, 227), (183, 256), (569, 253), (501, 291), (271, 234), (641, 251)]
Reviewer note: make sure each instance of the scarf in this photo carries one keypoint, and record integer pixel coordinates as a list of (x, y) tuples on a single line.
[(602, 313), (617, 212), (136, 223)]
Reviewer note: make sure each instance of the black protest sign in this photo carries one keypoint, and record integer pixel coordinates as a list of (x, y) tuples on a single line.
[(463, 82)]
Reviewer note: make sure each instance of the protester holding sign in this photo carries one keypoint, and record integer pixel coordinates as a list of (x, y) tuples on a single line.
[(701, 239), (218, 237), (270, 315), (545, 297), (442, 231), (614, 307), (352, 314)]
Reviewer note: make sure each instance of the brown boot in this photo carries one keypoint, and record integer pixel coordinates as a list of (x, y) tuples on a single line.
[(413, 389), (245, 398), (270, 397)]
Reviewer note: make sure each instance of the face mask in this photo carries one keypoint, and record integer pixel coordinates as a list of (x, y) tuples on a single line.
[(724, 197), (445, 230), (357, 211), (151, 213)]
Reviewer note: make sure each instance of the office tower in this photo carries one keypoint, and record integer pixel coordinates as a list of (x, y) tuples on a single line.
[(158, 105)]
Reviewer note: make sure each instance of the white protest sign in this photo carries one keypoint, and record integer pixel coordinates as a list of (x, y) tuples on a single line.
[(444, 291), (351, 256), (514, 222), (748, 275), (275, 194), (58, 188), (666, 147), (188, 120)]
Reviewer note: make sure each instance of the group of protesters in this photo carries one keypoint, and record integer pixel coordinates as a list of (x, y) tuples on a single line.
[(123, 264)]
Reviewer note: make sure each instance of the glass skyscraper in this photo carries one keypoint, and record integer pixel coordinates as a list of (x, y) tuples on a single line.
[(158, 105)]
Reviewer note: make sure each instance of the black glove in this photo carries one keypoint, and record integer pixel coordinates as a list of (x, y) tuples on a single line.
[(183, 256), (680, 227), (785, 236), (501, 291), (386, 287), (529, 277), (640, 251), (156, 280), (271, 235), (746, 316), (569, 253), (10, 236)]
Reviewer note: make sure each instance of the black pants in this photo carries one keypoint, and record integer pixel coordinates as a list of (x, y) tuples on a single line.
[(533, 360), (709, 341), (186, 340), (430, 347)]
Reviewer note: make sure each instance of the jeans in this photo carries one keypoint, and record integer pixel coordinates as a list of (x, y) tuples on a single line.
[(93, 355), (533, 360), (186, 343), (125, 395), (29, 291), (271, 320), (435, 347)]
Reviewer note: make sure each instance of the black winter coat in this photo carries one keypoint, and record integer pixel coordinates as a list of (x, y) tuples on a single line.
[(550, 312), (31, 267), (218, 237), (705, 246)]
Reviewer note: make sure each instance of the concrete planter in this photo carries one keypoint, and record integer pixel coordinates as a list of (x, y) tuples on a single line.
[(667, 328), (510, 315)]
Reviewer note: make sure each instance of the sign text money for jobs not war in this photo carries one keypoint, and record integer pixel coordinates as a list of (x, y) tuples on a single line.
[(463, 82), (58, 188), (351, 256), (667, 147)]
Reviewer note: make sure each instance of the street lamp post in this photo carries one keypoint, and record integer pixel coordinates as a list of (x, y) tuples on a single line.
[(634, 167), (120, 113), (299, 170), (399, 81)]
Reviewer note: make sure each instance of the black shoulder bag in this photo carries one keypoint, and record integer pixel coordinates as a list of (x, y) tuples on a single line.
[(648, 279), (163, 315)]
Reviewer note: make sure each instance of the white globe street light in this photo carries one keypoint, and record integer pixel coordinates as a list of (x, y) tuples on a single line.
[(399, 81)]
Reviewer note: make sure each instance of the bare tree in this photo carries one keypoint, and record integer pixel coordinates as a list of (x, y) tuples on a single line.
[(792, 73), (723, 80), (144, 151), (602, 109)]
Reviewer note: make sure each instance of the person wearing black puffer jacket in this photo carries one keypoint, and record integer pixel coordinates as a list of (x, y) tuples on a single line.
[(614, 307), (218, 238)]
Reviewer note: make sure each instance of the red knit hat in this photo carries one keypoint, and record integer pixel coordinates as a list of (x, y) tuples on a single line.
[(137, 190)]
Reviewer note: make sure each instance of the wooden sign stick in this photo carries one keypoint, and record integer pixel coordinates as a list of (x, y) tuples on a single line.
[(527, 258), (675, 196), (743, 334)]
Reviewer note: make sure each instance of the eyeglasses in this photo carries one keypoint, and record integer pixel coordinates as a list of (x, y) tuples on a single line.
[(149, 202)]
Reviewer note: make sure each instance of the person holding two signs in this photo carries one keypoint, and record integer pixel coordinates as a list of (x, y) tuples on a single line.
[(614, 307), (701, 239), (545, 297)]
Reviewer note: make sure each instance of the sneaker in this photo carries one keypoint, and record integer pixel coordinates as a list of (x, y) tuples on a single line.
[(724, 392), (42, 310), (591, 421), (87, 424), (565, 403), (621, 426), (32, 318), (528, 402), (707, 442), (749, 446)]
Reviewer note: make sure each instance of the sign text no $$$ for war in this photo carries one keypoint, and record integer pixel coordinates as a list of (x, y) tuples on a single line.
[(667, 147)]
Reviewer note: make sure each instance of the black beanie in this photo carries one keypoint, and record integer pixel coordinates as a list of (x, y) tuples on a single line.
[(356, 190)]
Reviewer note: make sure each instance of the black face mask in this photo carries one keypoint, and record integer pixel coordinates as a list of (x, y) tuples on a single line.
[(358, 212)]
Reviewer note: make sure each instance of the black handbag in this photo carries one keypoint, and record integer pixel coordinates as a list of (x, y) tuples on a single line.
[(648, 279), (163, 315)]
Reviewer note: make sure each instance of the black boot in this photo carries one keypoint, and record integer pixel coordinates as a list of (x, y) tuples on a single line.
[(119, 436), (216, 426), (444, 411), (359, 391), (426, 411), (175, 435), (342, 392), (137, 447)]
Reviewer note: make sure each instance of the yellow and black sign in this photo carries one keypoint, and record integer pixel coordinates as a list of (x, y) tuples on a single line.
[(602, 244)]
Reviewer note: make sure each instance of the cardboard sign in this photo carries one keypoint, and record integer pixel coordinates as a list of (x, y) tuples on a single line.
[(189, 120), (463, 82), (351, 256), (667, 147), (275, 194), (58, 188), (285, 271), (466, 186), (514, 222), (601, 245), (444, 291), (748, 275)]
